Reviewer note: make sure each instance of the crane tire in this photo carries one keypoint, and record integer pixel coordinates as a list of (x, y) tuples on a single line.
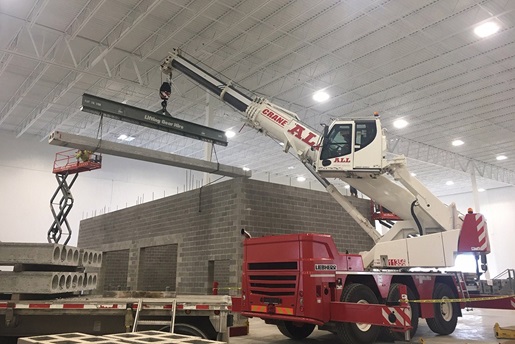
[(446, 313), (295, 330), (357, 333)]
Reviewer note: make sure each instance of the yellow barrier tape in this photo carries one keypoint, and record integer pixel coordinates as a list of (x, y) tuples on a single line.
[(468, 299)]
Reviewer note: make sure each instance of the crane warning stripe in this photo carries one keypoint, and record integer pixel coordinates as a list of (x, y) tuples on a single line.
[(256, 308), (402, 316), (284, 310)]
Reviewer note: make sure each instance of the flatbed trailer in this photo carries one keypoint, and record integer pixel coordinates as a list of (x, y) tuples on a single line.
[(207, 316)]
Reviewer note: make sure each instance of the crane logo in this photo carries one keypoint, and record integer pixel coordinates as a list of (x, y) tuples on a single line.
[(298, 132), (275, 117), (326, 267)]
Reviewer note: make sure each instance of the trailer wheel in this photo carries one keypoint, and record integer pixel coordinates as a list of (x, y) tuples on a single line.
[(357, 333), (446, 313), (189, 330), (393, 300), (295, 330)]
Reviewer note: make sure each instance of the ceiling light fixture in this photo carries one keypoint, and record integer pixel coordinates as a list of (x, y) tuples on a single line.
[(320, 96), (457, 143), (486, 29), (413, 174), (301, 179), (400, 123), (291, 167), (347, 186), (481, 190), (449, 182), (501, 157), (245, 168), (230, 133)]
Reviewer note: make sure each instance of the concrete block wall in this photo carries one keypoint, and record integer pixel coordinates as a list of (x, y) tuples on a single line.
[(115, 271), (205, 225), (222, 274), (158, 268)]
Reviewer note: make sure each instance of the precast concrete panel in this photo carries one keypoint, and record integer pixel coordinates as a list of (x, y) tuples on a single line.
[(90, 258), (46, 282), (40, 254)]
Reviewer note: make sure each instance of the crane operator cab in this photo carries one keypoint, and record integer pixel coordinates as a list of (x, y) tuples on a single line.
[(354, 146)]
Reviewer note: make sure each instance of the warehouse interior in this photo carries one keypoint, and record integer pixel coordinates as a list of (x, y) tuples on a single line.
[(440, 74)]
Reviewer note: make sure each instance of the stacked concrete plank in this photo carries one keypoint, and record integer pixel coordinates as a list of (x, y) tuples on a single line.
[(12, 253), (135, 338), (46, 282), (47, 268)]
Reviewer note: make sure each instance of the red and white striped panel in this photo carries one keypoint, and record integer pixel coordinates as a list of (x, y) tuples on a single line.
[(402, 315), (481, 232), (61, 306), (106, 306)]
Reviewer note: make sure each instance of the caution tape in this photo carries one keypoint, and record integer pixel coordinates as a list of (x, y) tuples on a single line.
[(468, 299)]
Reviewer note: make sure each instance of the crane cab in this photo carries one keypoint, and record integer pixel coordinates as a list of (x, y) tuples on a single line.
[(353, 146)]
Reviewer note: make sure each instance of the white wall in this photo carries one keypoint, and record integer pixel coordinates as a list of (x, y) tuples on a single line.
[(498, 206), (27, 184)]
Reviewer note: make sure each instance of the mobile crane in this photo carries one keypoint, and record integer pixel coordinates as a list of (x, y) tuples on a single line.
[(303, 281)]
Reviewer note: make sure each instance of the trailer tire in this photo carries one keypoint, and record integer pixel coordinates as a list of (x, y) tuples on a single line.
[(393, 300), (358, 333), (295, 330), (189, 330), (446, 313)]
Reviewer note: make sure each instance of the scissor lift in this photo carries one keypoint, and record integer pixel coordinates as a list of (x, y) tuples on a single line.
[(67, 163)]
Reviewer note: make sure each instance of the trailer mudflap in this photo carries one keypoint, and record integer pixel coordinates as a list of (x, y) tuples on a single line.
[(236, 304), (11, 320)]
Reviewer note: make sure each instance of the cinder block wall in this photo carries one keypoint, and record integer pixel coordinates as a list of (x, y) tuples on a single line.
[(205, 224), (158, 267)]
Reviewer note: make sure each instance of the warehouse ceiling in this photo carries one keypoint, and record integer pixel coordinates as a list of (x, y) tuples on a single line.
[(414, 60)]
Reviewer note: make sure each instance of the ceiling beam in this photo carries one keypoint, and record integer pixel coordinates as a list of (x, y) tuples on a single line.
[(111, 39), (83, 17), (29, 82), (437, 156)]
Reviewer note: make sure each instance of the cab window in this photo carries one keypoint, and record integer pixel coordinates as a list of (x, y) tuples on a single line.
[(338, 142), (366, 131)]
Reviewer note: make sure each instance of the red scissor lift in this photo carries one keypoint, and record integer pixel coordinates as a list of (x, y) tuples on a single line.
[(69, 162)]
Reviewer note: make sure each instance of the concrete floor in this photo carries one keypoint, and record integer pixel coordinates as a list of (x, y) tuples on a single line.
[(475, 326)]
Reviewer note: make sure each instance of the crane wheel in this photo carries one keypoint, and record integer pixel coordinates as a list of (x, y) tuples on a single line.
[(357, 333), (295, 330), (446, 313)]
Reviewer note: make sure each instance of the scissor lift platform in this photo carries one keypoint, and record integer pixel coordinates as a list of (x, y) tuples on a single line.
[(67, 162)]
